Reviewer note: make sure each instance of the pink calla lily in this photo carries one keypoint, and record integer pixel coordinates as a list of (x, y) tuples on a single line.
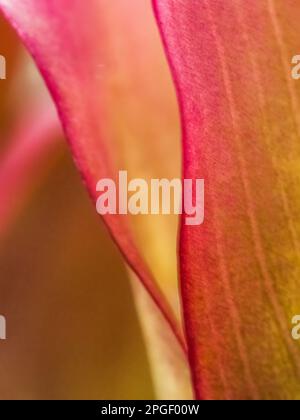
[(225, 331)]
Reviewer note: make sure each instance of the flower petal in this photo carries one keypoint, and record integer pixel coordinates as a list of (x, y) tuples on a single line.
[(100, 60), (169, 367), (241, 122)]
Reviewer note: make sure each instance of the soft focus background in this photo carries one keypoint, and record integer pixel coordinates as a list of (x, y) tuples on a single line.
[(72, 328)]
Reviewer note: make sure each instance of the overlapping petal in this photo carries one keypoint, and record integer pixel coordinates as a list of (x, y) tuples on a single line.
[(241, 123), (81, 55), (104, 65)]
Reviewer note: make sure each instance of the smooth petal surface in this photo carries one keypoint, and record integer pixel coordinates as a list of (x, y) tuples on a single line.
[(170, 371), (53, 285), (104, 65), (240, 269), (91, 57)]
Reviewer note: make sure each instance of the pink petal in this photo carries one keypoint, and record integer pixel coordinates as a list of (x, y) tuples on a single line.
[(240, 270), (83, 50)]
